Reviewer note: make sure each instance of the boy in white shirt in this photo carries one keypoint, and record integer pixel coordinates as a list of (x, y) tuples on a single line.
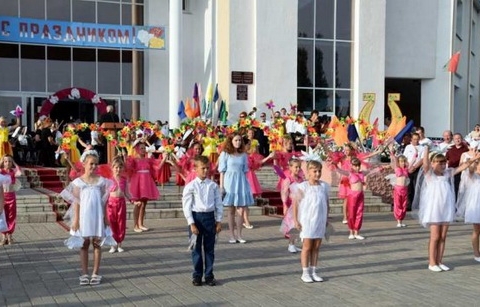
[(203, 209)]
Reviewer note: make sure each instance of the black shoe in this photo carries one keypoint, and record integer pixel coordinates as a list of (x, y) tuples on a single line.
[(197, 282), (211, 282)]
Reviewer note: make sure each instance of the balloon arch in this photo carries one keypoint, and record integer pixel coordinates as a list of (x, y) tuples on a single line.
[(72, 93)]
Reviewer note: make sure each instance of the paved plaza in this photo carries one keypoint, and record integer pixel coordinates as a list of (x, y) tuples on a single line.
[(389, 268)]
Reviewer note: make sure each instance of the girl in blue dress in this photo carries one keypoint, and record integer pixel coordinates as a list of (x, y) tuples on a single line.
[(233, 166)]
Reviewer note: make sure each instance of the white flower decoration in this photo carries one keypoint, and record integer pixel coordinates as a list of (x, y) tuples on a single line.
[(310, 155), (96, 99), (74, 93), (144, 37), (53, 99)]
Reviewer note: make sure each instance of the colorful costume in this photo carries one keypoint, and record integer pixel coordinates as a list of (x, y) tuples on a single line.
[(5, 147), (10, 200), (117, 211), (74, 152), (165, 172), (254, 163), (142, 186), (289, 186), (355, 203), (400, 195)]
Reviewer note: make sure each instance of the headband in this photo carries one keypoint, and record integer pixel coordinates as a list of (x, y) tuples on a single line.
[(87, 153)]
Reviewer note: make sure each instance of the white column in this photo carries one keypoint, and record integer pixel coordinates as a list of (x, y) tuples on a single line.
[(369, 56), (175, 66)]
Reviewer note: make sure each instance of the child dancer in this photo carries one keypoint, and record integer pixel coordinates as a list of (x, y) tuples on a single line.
[(288, 186), (9, 168), (311, 214), (116, 206), (437, 204), (142, 185), (255, 161), (355, 197), (88, 195), (232, 165), (400, 188), (203, 209), (468, 204)]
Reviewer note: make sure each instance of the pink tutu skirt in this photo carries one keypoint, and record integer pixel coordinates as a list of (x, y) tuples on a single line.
[(142, 187), (287, 223)]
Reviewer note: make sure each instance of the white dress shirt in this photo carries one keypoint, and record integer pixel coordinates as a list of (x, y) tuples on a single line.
[(202, 196), (413, 153), (290, 126)]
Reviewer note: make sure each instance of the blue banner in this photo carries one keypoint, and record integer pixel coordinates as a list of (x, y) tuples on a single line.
[(48, 32)]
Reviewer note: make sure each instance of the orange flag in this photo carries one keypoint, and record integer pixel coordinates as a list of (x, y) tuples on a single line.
[(453, 62)]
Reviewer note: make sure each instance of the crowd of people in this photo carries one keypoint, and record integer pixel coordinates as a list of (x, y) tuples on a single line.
[(216, 166)]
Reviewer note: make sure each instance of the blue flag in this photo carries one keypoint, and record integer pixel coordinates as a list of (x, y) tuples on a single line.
[(352, 133), (401, 134), (181, 111), (215, 94)]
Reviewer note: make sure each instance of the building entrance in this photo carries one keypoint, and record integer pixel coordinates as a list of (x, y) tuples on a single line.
[(410, 97), (72, 110)]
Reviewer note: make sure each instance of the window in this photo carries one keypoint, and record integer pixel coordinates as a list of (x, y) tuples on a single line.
[(324, 56), (33, 68), (459, 19), (9, 61)]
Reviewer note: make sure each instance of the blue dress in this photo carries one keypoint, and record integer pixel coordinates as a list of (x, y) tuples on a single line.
[(235, 182)]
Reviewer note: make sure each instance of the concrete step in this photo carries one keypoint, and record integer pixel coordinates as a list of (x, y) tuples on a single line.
[(37, 217), (178, 213)]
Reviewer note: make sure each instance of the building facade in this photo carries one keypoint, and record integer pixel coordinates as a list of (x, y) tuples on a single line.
[(319, 54)]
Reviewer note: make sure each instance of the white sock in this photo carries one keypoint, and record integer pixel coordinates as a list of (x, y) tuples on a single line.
[(313, 269), (305, 271)]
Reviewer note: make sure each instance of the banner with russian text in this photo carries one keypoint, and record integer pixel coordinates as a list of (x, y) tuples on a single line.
[(49, 32)]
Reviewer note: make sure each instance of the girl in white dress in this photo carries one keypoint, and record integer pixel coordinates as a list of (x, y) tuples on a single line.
[(310, 213), (437, 204), (468, 204), (88, 195)]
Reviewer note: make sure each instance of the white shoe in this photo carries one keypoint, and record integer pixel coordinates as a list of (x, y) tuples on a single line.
[(316, 278), (359, 237), (306, 278), (291, 248), (443, 267), (399, 225), (344, 222), (403, 225), (112, 250), (120, 250), (434, 268), (351, 237), (477, 259), (298, 249)]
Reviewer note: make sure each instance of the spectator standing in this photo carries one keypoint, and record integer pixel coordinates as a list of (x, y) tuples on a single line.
[(453, 156)]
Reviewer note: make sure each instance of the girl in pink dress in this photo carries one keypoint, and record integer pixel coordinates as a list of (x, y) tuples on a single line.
[(9, 168), (142, 184), (255, 161), (186, 166), (116, 205), (282, 157), (293, 176), (165, 172)]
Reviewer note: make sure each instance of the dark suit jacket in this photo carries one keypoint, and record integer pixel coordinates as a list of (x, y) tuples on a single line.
[(109, 117)]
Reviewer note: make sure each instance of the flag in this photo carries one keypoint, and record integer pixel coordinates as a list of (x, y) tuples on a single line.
[(181, 110), (196, 102), (189, 110), (203, 107), (452, 64), (215, 95), (209, 94), (352, 133), (408, 127), (209, 111), (222, 112)]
